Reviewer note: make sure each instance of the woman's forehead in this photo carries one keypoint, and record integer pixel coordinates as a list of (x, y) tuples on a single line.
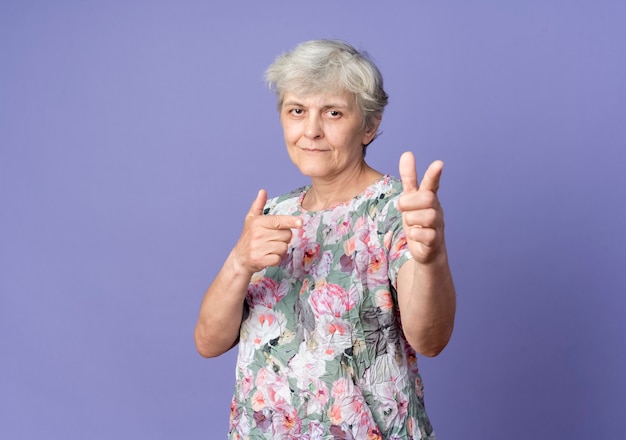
[(323, 99)]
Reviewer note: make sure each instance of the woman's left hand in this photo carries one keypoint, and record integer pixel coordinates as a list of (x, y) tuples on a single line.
[(422, 215)]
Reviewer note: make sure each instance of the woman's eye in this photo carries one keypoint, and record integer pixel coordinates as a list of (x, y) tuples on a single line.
[(334, 113), (296, 111)]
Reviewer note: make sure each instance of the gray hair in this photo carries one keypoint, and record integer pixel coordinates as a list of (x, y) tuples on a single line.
[(319, 66)]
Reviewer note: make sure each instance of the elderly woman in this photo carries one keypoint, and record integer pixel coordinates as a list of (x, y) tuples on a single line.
[(333, 288)]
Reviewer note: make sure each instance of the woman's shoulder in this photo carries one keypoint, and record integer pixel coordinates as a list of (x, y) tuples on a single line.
[(389, 185), (386, 189), (379, 200), (286, 203)]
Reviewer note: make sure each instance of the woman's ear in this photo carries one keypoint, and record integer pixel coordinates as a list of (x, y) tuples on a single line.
[(371, 129)]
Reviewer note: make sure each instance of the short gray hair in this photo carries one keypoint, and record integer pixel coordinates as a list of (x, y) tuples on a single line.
[(319, 66)]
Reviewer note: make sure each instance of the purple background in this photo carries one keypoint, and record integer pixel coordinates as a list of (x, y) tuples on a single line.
[(134, 136)]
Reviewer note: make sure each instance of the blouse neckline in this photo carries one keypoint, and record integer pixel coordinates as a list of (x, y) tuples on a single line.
[(370, 189)]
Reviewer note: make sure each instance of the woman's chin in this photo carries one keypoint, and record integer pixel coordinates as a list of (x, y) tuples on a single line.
[(311, 170)]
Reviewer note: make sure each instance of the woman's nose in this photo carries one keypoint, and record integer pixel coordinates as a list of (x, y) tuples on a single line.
[(313, 129)]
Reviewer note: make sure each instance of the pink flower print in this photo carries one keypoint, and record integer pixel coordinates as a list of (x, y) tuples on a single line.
[(331, 299), (261, 292), (359, 224), (258, 400), (234, 410), (342, 229), (340, 387), (240, 428), (349, 246), (373, 433), (341, 224), (387, 239), (307, 233), (322, 268), (377, 261), (346, 263), (384, 301), (351, 410), (263, 419), (266, 292), (398, 247), (338, 327), (392, 405), (332, 337), (286, 424), (262, 326), (369, 257), (272, 390), (318, 397), (305, 287), (309, 228), (377, 268), (306, 367), (316, 431), (310, 252), (340, 432), (305, 255), (246, 382), (363, 241), (335, 415)]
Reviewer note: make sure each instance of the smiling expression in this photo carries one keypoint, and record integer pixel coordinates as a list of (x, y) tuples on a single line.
[(324, 133)]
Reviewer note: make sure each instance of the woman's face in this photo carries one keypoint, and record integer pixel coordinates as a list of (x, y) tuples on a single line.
[(324, 133)]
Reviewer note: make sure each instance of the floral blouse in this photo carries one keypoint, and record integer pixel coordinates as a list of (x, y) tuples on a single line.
[(321, 351)]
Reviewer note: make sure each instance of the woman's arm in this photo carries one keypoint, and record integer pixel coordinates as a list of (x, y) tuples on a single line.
[(217, 329), (426, 293), (263, 242), (427, 301)]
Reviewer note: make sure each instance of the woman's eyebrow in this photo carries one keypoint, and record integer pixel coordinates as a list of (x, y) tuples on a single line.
[(335, 105), (331, 104)]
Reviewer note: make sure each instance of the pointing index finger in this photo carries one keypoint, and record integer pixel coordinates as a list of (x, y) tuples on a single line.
[(430, 182), (284, 222)]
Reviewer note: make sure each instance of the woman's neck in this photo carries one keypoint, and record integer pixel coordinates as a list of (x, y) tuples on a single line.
[(328, 192)]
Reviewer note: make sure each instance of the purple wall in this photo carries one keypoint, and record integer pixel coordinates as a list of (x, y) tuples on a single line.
[(134, 135)]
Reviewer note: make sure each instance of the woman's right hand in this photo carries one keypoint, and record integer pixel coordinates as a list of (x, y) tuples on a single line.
[(264, 239)]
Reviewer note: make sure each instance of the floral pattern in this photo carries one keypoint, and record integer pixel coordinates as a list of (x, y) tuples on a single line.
[(321, 353)]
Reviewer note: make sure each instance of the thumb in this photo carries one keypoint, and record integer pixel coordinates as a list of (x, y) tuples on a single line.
[(408, 173), (430, 182), (259, 203)]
